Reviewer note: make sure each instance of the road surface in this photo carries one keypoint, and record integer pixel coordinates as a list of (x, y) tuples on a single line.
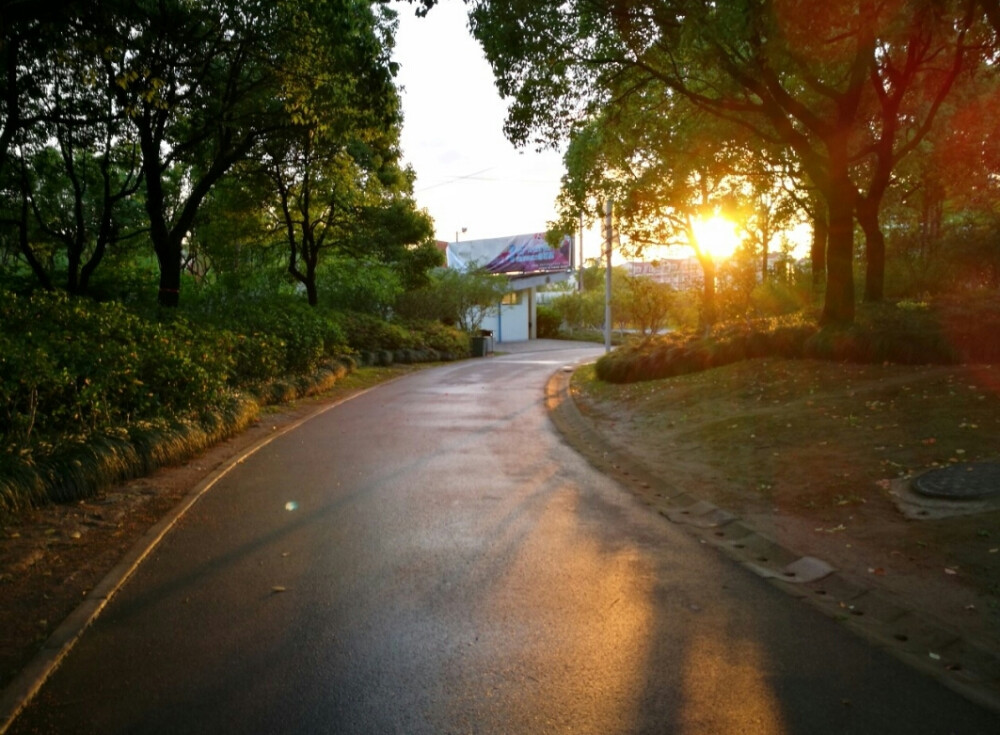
[(430, 557)]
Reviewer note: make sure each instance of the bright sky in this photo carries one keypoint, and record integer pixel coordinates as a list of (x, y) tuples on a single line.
[(468, 174)]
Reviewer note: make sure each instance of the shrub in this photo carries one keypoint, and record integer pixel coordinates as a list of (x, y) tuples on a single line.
[(937, 331), (369, 333), (548, 321), (276, 336)]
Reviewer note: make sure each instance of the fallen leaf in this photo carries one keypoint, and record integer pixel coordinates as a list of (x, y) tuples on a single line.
[(277, 588), (949, 570)]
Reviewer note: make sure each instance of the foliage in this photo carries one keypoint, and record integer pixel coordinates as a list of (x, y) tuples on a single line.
[(548, 321), (93, 393), (846, 94), (353, 284), (448, 342), (368, 332), (80, 368), (942, 331), (644, 304), (184, 125), (456, 297), (580, 310)]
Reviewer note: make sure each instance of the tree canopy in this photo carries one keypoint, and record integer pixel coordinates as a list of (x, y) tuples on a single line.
[(847, 89), (118, 120)]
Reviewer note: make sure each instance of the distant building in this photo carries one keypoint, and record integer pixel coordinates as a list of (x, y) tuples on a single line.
[(681, 274), (685, 274)]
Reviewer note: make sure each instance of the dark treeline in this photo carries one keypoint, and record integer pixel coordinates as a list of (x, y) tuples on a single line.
[(227, 141)]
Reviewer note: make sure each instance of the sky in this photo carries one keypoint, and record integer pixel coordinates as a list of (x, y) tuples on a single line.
[(471, 180)]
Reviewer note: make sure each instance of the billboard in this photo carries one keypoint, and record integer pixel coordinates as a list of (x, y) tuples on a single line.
[(516, 254)]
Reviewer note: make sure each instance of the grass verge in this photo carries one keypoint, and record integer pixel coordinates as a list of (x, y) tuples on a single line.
[(807, 451)]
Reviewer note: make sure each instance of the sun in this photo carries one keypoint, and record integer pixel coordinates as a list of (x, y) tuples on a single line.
[(716, 236)]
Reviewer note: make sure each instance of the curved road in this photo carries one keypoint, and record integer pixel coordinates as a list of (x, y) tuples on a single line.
[(429, 557)]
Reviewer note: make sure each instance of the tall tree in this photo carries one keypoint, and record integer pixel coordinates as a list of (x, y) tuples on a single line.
[(335, 169), (667, 166), (829, 82), (200, 83)]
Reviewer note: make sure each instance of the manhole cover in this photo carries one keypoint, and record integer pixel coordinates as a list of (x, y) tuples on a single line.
[(966, 481)]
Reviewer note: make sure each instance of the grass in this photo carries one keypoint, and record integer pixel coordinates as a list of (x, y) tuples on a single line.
[(809, 452), (774, 427)]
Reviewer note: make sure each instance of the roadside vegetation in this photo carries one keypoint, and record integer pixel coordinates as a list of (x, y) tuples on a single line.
[(944, 330), (203, 211), (94, 393)]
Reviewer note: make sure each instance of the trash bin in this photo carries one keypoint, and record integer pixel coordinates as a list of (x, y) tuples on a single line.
[(479, 346), (487, 334)]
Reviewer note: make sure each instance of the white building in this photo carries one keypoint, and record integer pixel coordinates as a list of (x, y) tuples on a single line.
[(527, 262)]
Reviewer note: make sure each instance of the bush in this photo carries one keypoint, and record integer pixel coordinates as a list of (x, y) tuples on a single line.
[(77, 367), (94, 393), (548, 321), (273, 337), (349, 284), (365, 332), (449, 342), (942, 331), (581, 310)]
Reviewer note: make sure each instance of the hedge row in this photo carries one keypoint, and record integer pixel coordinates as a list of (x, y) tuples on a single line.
[(947, 331), (91, 390)]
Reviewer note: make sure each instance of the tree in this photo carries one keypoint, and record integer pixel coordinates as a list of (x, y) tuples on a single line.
[(770, 205), (666, 166), (646, 304), (28, 31), (457, 297), (336, 169), (848, 88), (203, 83)]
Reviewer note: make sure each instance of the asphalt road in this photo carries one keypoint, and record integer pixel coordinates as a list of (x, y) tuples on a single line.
[(430, 557)]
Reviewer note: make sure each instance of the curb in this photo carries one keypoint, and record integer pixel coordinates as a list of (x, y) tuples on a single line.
[(16, 695), (964, 666)]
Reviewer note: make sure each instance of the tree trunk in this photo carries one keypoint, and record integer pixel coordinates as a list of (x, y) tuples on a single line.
[(73, 266), (838, 306), (169, 257), (709, 313), (817, 251), (24, 244), (874, 253)]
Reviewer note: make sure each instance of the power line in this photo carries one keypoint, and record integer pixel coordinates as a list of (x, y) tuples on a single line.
[(476, 177)]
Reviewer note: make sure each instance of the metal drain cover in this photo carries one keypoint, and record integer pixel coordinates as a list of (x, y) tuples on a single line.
[(965, 481)]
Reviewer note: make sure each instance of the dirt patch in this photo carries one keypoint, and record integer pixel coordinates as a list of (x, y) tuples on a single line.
[(810, 453), (51, 557)]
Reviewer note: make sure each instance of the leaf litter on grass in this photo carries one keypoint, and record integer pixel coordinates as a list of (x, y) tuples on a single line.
[(804, 446)]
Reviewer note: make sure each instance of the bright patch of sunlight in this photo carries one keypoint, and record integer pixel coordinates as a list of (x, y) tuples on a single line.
[(717, 236)]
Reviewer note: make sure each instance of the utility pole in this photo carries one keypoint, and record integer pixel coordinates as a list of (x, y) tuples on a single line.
[(608, 240), (579, 263)]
